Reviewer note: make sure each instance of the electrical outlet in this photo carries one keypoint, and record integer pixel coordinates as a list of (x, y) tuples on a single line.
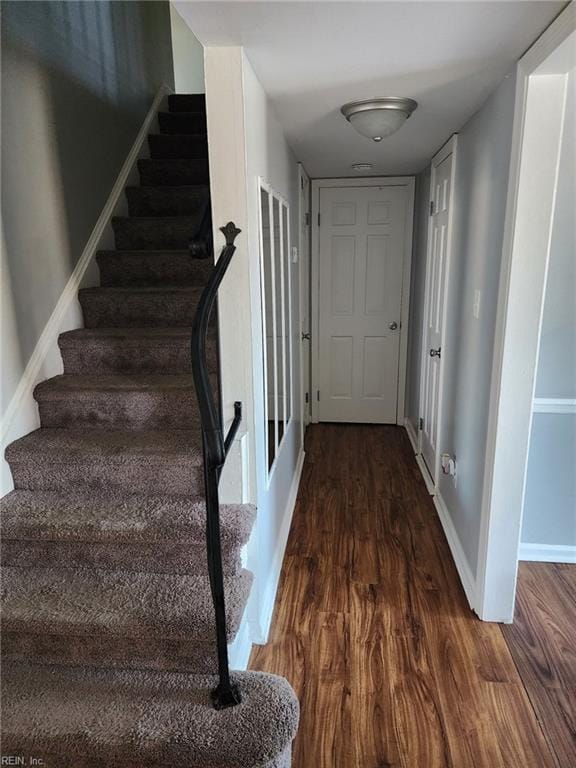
[(448, 463), (476, 304)]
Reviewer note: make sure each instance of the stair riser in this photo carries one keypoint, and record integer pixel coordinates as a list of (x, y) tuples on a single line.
[(193, 655), (183, 102), (138, 310), (165, 201), (173, 173), (167, 147), (117, 356), (119, 410), (121, 268), (182, 122), (125, 474), (187, 557), (155, 234)]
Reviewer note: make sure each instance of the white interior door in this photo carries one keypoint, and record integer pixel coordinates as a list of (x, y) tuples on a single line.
[(435, 308), (362, 247)]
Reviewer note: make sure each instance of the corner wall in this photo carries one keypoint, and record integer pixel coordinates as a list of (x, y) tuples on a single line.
[(482, 167)]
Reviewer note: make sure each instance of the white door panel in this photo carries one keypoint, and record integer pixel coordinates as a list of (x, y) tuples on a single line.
[(436, 283), (361, 259)]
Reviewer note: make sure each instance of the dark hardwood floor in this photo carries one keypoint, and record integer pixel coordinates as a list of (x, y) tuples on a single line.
[(373, 630), (542, 641)]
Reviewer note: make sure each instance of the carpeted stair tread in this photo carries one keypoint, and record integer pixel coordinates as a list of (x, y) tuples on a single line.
[(135, 532), (119, 401), (167, 201), (152, 268), (178, 146), (92, 718), (182, 122), (139, 306), (131, 350), (84, 601), (155, 232), (51, 516), (157, 173), (159, 461), (184, 102), (95, 444)]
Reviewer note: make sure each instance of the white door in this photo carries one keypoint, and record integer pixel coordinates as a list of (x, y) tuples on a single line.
[(435, 307), (305, 331), (362, 246)]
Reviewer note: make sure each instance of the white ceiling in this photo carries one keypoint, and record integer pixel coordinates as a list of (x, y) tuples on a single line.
[(312, 57)]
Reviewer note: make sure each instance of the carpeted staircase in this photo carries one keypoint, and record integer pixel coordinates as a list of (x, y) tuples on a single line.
[(108, 649)]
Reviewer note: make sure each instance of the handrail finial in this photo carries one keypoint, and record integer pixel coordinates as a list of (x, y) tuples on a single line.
[(230, 232)]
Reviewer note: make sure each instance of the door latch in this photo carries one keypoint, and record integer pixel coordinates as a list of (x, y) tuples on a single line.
[(436, 352), (306, 336)]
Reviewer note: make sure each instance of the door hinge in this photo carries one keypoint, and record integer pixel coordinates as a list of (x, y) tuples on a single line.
[(318, 219), (307, 398), (318, 395), (307, 219), (420, 424), (431, 207)]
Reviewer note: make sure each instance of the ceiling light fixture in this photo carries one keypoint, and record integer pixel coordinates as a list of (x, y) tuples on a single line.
[(378, 118), (362, 166)]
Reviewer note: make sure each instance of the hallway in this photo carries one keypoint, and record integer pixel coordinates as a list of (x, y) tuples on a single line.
[(372, 628)]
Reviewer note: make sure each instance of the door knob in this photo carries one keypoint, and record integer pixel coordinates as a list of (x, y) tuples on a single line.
[(305, 336), (435, 352), (393, 326)]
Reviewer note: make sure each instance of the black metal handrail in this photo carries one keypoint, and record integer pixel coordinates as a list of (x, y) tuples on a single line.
[(215, 448)]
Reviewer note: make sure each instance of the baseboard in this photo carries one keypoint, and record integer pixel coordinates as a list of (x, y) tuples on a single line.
[(45, 359), (430, 487), (269, 598), (460, 560), (412, 435), (547, 553)]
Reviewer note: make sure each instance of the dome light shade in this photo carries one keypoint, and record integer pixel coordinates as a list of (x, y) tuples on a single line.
[(378, 118)]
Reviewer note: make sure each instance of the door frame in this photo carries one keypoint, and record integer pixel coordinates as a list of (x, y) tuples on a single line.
[(409, 183), (535, 154), (450, 147), (303, 297)]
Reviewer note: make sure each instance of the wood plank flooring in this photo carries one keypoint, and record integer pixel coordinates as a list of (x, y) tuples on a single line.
[(372, 628), (542, 641)]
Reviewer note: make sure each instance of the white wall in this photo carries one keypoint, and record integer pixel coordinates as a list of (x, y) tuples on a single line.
[(246, 142), (550, 499), (269, 157), (188, 56)]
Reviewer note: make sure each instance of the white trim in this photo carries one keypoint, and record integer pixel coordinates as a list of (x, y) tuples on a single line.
[(239, 651), (413, 436), (547, 553), (502, 495), (449, 148), (303, 179), (409, 183), (554, 405), (260, 632), (54, 327), (460, 560)]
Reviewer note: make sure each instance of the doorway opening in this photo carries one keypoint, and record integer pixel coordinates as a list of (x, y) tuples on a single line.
[(543, 91)]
